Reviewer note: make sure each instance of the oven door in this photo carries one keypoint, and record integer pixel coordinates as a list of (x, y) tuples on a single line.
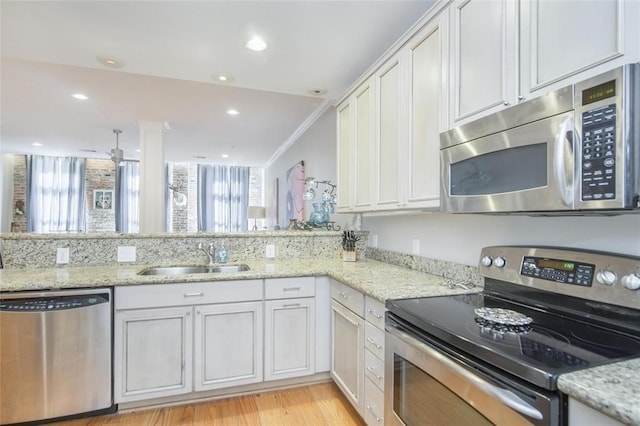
[(426, 386), (525, 169)]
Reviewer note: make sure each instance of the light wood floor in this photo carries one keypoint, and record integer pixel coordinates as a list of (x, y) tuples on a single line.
[(319, 404)]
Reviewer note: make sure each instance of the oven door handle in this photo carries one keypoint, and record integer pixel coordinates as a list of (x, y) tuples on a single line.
[(509, 398)]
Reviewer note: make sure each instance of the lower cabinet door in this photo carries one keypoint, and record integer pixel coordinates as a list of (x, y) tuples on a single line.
[(289, 338), (347, 353), (153, 353), (227, 345)]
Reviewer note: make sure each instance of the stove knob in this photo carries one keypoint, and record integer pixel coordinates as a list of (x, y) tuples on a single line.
[(499, 262), (631, 281), (486, 261), (606, 277)]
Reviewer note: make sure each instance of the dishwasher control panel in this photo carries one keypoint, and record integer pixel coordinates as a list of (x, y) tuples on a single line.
[(52, 303)]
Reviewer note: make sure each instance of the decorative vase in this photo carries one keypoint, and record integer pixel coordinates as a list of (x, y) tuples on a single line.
[(319, 216)]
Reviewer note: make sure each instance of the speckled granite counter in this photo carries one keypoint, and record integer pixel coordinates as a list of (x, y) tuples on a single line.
[(611, 389), (377, 279)]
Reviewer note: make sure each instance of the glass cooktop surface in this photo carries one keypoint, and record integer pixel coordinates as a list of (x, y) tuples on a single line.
[(531, 343)]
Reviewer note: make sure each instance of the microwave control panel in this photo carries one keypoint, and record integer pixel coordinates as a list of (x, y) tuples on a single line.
[(599, 154), (562, 271)]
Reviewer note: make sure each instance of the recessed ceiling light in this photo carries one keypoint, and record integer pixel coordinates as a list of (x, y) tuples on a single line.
[(232, 112), (223, 77), (36, 144), (318, 91), (110, 62), (80, 96), (199, 157), (225, 155), (256, 44), (138, 150)]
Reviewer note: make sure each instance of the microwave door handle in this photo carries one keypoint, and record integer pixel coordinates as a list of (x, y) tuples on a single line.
[(563, 149)]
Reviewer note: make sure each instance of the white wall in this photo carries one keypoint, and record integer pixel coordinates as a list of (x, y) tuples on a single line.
[(459, 238), (317, 148)]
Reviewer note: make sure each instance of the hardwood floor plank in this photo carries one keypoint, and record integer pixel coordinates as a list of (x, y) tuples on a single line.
[(318, 404)]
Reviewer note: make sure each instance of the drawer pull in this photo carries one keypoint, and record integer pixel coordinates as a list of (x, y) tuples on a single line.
[(370, 408), (373, 342), (291, 305), (374, 373), (291, 288), (344, 295), (193, 294), (374, 313)]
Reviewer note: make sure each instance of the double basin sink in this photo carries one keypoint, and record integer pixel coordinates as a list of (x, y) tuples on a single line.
[(183, 270)]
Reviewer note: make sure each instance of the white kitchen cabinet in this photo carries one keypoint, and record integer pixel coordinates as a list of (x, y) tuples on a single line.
[(289, 338), (356, 160), (227, 345), (504, 52), (581, 414), (172, 339), (347, 357), (427, 64), (289, 327), (564, 42), (358, 350), (153, 353), (390, 134), (483, 61)]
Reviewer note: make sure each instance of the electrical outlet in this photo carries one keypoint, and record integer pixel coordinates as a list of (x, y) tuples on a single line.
[(415, 246), (126, 254), (270, 251), (373, 240), (62, 255)]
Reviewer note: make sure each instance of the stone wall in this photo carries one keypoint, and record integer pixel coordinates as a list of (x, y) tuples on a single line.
[(19, 222), (100, 176)]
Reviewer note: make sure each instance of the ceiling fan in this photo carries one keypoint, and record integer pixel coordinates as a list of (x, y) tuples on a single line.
[(117, 155)]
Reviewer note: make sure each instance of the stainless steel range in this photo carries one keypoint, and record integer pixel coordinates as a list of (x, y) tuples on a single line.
[(495, 357)]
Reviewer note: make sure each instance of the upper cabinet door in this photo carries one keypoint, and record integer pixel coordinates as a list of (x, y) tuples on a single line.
[(364, 104), (389, 134), (428, 65), (345, 140), (565, 41), (483, 57)]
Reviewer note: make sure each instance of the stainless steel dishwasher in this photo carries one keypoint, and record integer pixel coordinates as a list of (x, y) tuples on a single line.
[(55, 354)]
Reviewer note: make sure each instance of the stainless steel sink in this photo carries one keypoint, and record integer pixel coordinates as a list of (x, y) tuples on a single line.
[(183, 270)]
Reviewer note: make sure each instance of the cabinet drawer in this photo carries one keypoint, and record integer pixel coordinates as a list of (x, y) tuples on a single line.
[(288, 288), (374, 312), (374, 340), (374, 369), (373, 404), (160, 295), (349, 297)]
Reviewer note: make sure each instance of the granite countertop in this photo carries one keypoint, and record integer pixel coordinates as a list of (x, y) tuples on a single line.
[(379, 280), (609, 389)]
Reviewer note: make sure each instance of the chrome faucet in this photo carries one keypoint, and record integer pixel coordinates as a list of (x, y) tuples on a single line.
[(211, 252)]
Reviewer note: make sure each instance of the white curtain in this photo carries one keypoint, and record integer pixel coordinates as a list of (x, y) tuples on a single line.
[(223, 198), (128, 197), (56, 194)]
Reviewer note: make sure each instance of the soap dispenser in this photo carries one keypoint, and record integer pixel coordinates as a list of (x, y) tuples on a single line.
[(222, 254)]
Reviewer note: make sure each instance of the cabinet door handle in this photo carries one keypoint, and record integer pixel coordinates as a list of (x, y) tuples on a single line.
[(193, 294), (374, 313), (374, 373), (344, 295), (506, 103), (291, 305), (370, 408), (198, 311), (291, 288), (373, 342)]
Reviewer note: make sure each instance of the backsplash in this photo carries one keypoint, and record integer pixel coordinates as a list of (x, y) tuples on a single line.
[(39, 250), (455, 271)]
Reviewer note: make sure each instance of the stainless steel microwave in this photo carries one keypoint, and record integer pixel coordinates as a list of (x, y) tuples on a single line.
[(574, 150)]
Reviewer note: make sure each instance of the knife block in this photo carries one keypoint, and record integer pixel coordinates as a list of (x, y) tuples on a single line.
[(348, 256)]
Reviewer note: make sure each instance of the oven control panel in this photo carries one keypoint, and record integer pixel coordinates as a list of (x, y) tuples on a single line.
[(558, 270)]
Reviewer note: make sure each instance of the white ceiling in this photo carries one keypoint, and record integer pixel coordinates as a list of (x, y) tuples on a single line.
[(170, 51)]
